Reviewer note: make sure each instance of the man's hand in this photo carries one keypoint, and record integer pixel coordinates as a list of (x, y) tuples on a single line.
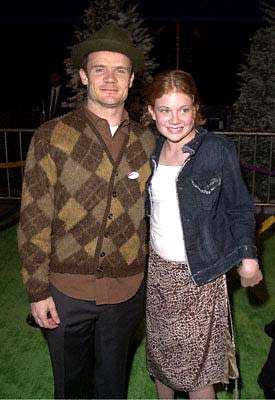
[(45, 314), (250, 272)]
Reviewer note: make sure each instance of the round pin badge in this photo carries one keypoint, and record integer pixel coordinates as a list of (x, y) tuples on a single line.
[(133, 175)]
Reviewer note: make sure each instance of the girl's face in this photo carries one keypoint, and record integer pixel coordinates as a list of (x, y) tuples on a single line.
[(175, 114)]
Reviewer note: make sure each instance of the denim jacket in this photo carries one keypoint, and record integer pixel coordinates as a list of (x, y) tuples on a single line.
[(216, 210)]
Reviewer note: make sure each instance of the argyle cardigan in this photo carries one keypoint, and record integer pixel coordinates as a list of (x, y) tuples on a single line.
[(80, 212)]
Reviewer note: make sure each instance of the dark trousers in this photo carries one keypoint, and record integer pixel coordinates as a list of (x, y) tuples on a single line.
[(89, 348)]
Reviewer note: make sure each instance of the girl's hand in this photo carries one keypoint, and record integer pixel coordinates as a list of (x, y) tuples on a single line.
[(250, 272)]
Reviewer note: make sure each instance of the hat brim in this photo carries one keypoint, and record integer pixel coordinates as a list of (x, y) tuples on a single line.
[(81, 50)]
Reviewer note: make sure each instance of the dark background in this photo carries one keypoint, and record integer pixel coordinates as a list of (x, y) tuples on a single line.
[(213, 40)]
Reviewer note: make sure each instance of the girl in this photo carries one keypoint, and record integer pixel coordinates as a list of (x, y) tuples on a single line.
[(201, 225)]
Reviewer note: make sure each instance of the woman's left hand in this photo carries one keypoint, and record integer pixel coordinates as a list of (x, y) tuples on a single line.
[(250, 272)]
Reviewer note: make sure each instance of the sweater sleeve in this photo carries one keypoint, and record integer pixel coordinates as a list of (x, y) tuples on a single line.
[(37, 210)]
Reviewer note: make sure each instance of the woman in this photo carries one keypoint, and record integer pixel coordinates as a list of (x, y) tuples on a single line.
[(201, 225)]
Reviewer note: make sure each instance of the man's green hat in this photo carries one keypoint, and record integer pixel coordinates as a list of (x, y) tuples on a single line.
[(108, 38)]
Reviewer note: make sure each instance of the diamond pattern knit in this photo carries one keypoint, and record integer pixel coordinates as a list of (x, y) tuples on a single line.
[(80, 212)]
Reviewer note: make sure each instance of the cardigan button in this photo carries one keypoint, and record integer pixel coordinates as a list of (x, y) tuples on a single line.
[(102, 254), (110, 216), (114, 194)]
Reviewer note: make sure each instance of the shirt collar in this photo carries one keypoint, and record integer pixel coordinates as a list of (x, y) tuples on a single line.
[(98, 121)]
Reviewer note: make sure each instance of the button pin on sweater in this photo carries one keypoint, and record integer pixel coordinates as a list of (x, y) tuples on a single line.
[(133, 175)]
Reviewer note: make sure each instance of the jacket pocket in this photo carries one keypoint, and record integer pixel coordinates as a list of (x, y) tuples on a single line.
[(207, 191)]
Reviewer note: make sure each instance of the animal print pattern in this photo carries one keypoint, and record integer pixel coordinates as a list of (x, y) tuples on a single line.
[(187, 328)]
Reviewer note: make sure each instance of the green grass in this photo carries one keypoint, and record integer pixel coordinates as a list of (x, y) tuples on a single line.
[(25, 370)]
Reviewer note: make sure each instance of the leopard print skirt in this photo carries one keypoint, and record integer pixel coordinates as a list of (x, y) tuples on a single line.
[(189, 342)]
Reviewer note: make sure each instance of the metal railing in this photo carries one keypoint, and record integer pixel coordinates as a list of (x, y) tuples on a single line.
[(256, 153), (255, 150), (14, 145)]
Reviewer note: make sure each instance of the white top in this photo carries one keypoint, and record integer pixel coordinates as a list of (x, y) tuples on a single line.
[(166, 234), (113, 129)]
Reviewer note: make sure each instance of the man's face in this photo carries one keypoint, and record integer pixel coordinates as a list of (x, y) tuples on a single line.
[(108, 79)]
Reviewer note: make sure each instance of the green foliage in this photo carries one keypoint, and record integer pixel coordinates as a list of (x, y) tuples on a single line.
[(254, 110)]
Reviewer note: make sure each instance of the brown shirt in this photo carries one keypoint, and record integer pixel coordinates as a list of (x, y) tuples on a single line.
[(105, 290)]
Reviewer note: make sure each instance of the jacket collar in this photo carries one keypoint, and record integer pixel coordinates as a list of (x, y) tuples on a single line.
[(190, 147)]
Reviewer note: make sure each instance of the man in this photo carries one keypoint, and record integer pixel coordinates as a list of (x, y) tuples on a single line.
[(82, 228), (55, 96)]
